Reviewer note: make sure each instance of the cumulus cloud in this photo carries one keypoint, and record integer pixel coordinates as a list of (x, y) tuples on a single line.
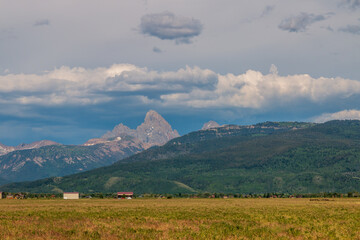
[(300, 22), (352, 114), (352, 4), (167, 26), (189, 87), (353, 29), (42, 22), (257, 91), (80, 86)]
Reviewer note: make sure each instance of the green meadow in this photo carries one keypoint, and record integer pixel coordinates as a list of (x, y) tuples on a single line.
[(180, 219)]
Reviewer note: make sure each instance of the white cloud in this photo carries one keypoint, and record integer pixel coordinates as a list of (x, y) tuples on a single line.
[(80, 86), (352, 114), (255, 90), (189, 87)]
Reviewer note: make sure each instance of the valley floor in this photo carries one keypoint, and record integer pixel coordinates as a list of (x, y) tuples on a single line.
[(180, 219)]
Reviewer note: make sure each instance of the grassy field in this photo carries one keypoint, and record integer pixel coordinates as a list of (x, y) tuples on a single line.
[(180, 219)]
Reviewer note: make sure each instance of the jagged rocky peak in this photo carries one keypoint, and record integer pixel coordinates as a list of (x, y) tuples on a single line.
[(152, 116), (155, 130), (210, 124)]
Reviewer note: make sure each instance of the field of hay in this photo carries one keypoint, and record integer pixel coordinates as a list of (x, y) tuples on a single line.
[(180, 219)]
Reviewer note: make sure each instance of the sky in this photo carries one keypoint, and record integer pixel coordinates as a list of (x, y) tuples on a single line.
[(72, 70)]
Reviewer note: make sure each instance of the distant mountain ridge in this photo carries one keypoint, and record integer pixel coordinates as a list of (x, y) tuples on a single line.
[(6, 149), (46, 158), (60, 160), (287, 157)]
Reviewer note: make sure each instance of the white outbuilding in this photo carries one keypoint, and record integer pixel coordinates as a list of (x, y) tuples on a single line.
[(71, 195)]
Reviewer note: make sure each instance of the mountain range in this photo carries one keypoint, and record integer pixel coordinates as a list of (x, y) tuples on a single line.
[(43, 159), (286, 157), (268, 157)]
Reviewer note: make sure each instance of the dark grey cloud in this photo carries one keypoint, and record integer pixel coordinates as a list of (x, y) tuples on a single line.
[(267, 10), (352, 4), (167, 26), (157, 50), (300, 22), (42, 22), (353, 29)]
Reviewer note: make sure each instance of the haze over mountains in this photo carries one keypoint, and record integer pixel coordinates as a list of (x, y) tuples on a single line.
[(46, 158)]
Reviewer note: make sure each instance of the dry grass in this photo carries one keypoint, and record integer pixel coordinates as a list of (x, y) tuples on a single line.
[(180, 219)]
